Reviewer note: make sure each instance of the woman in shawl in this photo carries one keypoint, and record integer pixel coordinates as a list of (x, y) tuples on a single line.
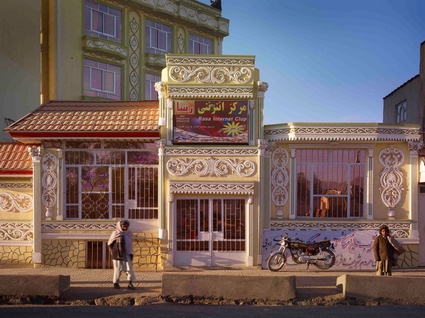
[(383, 251), (120, 245)]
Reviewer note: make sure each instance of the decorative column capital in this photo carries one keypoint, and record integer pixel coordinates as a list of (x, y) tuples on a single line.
[(415, 147), (262, 146), (161, 147), (262, 88), (35, 153), (160, 87)]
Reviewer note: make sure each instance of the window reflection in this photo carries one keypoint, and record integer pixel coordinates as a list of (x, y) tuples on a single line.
[(330, 182)]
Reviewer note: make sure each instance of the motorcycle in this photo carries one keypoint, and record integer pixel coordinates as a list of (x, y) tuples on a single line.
[(319, 254)]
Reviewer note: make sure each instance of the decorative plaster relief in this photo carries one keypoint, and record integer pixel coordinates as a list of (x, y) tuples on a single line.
[(211, 167), (211, 74), (210, 92), (341, 133), (16, 231), (280, 178), (160, 88), (391, 179), (239, 61), (49, 182), (7, 185), (180, 41), (16, 202), (107, 47), (211, 188), (134, 76), (192, 11), (211, 151), (78, 226)]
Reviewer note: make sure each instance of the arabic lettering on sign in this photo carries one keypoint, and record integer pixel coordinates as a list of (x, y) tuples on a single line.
[(210, 121)]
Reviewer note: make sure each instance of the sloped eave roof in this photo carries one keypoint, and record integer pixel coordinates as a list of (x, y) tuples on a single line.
[(89, 119), (15, 159)]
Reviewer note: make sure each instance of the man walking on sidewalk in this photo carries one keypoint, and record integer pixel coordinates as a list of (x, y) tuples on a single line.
[(120, 245)]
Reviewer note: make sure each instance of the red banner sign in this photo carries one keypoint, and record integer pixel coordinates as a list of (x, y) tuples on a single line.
[(210, 122)]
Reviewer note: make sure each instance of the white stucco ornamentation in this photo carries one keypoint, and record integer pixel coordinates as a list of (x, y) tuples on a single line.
[(180, 41), (211, 74), (49, 182), (109, 47), (279, 177), (16, 202), (134, 75), (210, 92), (262, 147), (368, 132), (262, 88), (211, 152), (211, 167), (78, 226), (391, 180), (211, 188), (161, 146), (160, 88), (35, 154), (16, 231)]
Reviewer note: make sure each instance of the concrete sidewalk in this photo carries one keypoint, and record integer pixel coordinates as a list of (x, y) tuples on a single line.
[(95, 283)]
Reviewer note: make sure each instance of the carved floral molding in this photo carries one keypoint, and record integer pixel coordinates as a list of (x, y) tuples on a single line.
[(211, 188), (211, 167), (16, 231), (50, 182), (211, 151), (341, 133), (391, 180), (211, 74), (280, 177), (210, 92), (16, 202)]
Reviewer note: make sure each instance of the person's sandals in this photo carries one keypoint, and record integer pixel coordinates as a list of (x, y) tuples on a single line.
[(130, 286), (116, 286)]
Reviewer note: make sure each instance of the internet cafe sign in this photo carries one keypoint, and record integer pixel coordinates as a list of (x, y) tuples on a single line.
[(201, 121)]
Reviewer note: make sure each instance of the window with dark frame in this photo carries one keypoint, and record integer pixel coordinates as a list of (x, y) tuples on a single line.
[(401, 112)]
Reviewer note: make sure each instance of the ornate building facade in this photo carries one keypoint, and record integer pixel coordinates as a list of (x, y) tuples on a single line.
[(142, 118)]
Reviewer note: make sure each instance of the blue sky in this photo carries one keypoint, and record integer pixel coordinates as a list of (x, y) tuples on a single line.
[(327, 60)]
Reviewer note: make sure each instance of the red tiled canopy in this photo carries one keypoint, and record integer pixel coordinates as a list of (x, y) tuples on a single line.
[(88, 119), (15, 159)]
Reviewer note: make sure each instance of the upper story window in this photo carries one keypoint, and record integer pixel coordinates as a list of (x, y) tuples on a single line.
[(102, 21), (330, 183), (150, 92), (199, 45), (401, 109), (102, 80), (158, 38)]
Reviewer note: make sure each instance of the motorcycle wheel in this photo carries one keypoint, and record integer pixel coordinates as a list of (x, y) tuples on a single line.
[(276, 261), (328, 262)]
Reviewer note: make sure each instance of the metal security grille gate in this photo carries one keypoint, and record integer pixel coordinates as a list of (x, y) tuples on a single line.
[(210, 232)]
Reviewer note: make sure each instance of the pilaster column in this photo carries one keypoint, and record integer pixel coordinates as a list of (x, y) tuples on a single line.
[(250, 240), (262, 89), (369, 180), (36, 183), (414, 148), (162, 232), (292, 183)]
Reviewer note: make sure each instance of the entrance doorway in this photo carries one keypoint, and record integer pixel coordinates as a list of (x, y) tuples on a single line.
[(210, 232)]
